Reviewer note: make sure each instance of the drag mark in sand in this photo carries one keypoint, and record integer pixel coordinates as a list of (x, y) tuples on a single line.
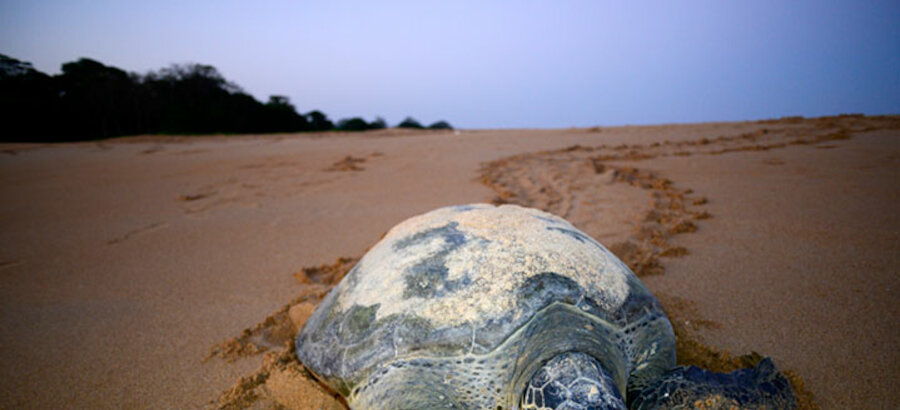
[(10, 264), (249, 184), (565, 181), (348, 163), (351, 163), (152, 150), (558, 181), (282, 325), (134, 232), (282, 380), (554, 180), (194, 197)]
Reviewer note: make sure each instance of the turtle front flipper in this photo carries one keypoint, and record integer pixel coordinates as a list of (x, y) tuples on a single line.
[(692, 387)]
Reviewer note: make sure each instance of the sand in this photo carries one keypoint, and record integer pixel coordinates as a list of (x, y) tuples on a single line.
[(126, 263)]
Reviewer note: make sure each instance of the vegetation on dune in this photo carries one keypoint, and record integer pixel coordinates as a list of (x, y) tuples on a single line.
[(90, 100), (359, 124), (411, 122), (441, 125)]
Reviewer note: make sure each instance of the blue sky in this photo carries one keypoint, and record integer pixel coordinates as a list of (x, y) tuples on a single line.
[(498, 64)]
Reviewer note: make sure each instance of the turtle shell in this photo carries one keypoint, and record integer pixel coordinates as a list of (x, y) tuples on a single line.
[(467, 301)]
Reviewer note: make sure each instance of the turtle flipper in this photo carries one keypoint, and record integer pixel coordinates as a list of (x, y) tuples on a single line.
[(692, 387)]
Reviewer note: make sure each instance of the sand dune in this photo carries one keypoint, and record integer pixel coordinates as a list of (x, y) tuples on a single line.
[(126, 263)]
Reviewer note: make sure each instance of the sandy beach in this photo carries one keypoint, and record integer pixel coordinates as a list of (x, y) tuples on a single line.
[(130, 268)]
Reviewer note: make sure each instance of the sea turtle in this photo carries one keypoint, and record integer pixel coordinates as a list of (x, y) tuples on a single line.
[(507, 307)]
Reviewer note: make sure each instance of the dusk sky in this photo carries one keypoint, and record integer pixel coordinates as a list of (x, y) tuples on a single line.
[(498, 64)]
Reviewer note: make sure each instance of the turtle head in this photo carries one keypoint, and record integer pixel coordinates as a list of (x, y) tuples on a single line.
[(762, 386), (572, 380)]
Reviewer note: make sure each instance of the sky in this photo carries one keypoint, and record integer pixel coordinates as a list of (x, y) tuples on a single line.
[(497, 64)]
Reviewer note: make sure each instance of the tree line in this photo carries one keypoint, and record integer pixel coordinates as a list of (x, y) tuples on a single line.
[(90, 100)]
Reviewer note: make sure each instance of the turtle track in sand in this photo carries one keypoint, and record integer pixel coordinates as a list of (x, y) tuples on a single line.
[(282, 381), (574, 183), (570, 182)]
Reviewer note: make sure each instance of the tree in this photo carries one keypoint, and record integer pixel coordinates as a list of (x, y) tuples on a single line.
[(409, 122), (280, 101), (318, 121), (281, 116), (441, 125), (11, 68), (378, 124), (196, 99), (91, 100), (352, 124), (359, 124), (29, 102), (98, 101)]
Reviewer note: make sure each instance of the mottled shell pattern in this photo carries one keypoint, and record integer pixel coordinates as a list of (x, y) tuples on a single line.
[(457, 307)]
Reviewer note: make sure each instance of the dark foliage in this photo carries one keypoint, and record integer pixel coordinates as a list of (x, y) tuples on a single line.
[(282, 116), (409, 122), (318, 121), (28, 98), (90, 100), (441, 125), (378, 124), (359, 124), (352, 124)]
